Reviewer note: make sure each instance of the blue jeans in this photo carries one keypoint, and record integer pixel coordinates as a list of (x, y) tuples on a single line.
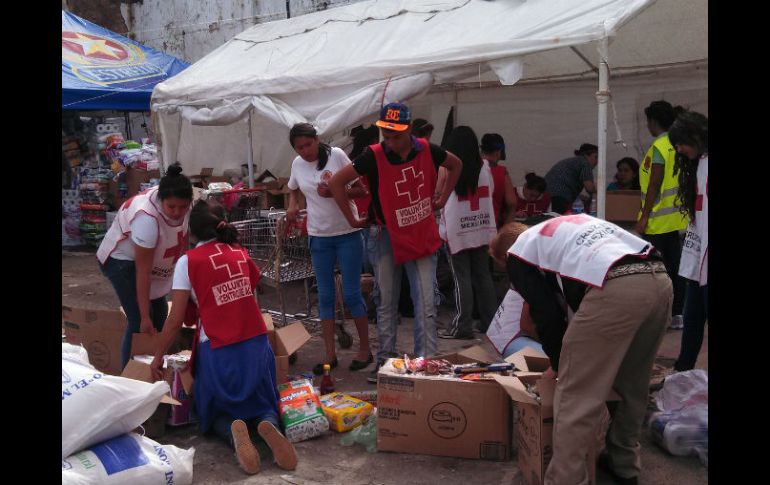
[(122, 275), (420, 273), (346, 250), (696, 311)]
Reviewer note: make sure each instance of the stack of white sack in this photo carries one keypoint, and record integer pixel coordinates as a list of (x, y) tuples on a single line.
[(99, 412)]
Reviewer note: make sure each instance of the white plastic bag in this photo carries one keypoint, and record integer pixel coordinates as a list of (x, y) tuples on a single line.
[(129, 459), (683, 389), (96, 407), (74, 352)]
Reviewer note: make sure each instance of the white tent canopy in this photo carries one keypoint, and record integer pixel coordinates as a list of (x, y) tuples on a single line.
[(335, 68)]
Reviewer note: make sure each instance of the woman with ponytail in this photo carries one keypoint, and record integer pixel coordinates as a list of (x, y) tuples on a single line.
[(140, 249), (234, 366), (332, 240)]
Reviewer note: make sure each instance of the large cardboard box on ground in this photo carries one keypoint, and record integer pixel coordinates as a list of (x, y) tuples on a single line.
[(623, 205), (442, 416), (284, 341), (99, 331), (533, 419)]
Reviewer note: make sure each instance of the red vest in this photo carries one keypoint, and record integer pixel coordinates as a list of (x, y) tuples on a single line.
[(532, 208), (498, 192), (405, 194), (224, 278)]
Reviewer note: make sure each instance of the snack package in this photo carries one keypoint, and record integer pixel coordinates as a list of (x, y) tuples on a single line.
[(344, 412), (301, 412)]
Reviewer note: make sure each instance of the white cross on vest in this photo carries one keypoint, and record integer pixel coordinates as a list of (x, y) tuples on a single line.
[(231, 267), (409, 176)]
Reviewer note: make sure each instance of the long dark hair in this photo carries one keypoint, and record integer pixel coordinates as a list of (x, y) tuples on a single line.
[(535, 182), (308, 130), (692, 129), (634, 166), (363, 138), (207, 221), (174, 184), (463, 143)]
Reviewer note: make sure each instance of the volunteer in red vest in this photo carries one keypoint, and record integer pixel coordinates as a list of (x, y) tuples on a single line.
[(689, 136), (467, 225), (585, 271), (660, 220), (531, 198), (235, 392), (504, 195), (402, 178), (139, 251)]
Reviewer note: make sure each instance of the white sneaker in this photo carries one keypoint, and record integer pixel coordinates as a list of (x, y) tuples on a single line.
[(676, 322)]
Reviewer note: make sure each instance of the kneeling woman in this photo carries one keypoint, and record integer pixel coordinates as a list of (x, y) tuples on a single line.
[(233, 364)]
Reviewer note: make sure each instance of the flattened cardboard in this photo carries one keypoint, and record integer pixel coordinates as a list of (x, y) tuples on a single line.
[(144, 343), (443, 417), (99, 331), (519, 359), (477, 353)]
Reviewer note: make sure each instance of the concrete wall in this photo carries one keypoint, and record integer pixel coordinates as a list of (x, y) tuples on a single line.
[(190, 29)]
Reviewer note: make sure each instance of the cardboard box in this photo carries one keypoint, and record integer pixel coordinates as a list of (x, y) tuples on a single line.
[(623, 205), (155, 426), (442, 416), (134, 178), (533, 419), (284, 342), (100, 332)]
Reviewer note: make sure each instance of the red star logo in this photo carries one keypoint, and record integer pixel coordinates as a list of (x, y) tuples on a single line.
[(550, 227), (410, 185), (224, 252), (481, 192), (179, 249), (93, 46)]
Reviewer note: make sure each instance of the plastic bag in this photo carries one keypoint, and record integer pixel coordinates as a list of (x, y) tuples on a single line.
[(683, 389), (301, 412), (366, 434)]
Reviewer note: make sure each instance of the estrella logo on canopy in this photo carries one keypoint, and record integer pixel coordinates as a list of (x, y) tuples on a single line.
[(105, 61)]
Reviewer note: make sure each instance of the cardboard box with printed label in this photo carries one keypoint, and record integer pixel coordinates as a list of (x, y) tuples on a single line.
[(533, 418), (623, 205), (284, 341), (443, 416)]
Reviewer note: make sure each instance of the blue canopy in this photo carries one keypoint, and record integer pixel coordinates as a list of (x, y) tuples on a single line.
[(103, 70)]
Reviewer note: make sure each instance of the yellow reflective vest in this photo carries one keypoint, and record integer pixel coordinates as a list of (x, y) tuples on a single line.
[(665, 216)]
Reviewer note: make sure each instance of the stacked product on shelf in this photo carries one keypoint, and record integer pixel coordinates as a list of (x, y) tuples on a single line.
[(70, 204), (94, 200)]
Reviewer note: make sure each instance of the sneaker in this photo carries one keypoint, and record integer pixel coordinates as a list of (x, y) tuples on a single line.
[(283, 451), (677, 322), (245, 451), (448, 334)]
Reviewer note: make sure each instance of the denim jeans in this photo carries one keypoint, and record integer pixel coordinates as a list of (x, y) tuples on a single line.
[(696, 311), (420, 273), (325, 252), (519, 343), (122, 275)]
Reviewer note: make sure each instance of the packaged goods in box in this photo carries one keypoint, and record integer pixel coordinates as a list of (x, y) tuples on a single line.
[(344, 412)]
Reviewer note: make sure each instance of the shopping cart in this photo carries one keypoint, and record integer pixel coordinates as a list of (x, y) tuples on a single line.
[(239, 204), (280, 249)]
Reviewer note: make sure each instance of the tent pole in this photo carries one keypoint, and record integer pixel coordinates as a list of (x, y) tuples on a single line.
[(602, 98), (251, 156)]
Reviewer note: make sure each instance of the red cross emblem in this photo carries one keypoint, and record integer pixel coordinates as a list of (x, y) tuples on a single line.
[(550, 227), (178, 250), (410, 185), (234, 269), (481, 192)]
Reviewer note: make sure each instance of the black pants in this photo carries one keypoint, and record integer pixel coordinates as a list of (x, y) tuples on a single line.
[(670, 246), (696, 311), (560, 205)]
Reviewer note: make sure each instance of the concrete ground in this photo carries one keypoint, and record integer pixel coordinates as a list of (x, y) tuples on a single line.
[(324, 460)]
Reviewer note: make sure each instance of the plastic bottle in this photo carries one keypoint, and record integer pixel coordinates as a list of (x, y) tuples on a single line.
[(327, 384)]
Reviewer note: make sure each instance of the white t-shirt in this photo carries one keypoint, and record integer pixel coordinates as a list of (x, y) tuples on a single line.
[(182, 282), (324, 217), (144, 232)]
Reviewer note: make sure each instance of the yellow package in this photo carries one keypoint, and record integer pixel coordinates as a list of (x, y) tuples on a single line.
[(344, 412)]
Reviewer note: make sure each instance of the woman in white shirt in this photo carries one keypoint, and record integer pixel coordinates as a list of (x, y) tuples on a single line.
[(140, 249), (332, 240)]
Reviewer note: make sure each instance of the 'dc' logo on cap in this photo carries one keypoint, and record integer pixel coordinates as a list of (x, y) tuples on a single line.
[(393, 114)]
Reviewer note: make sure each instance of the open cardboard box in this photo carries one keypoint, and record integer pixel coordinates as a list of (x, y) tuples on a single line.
[(533, 419), (284, 341), (99, 331), (623, 205), (443, 416), (155, 426)]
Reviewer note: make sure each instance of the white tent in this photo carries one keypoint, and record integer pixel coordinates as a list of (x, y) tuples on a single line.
[(335, 68)]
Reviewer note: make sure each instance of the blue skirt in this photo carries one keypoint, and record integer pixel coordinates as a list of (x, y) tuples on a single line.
[(235, 381)]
